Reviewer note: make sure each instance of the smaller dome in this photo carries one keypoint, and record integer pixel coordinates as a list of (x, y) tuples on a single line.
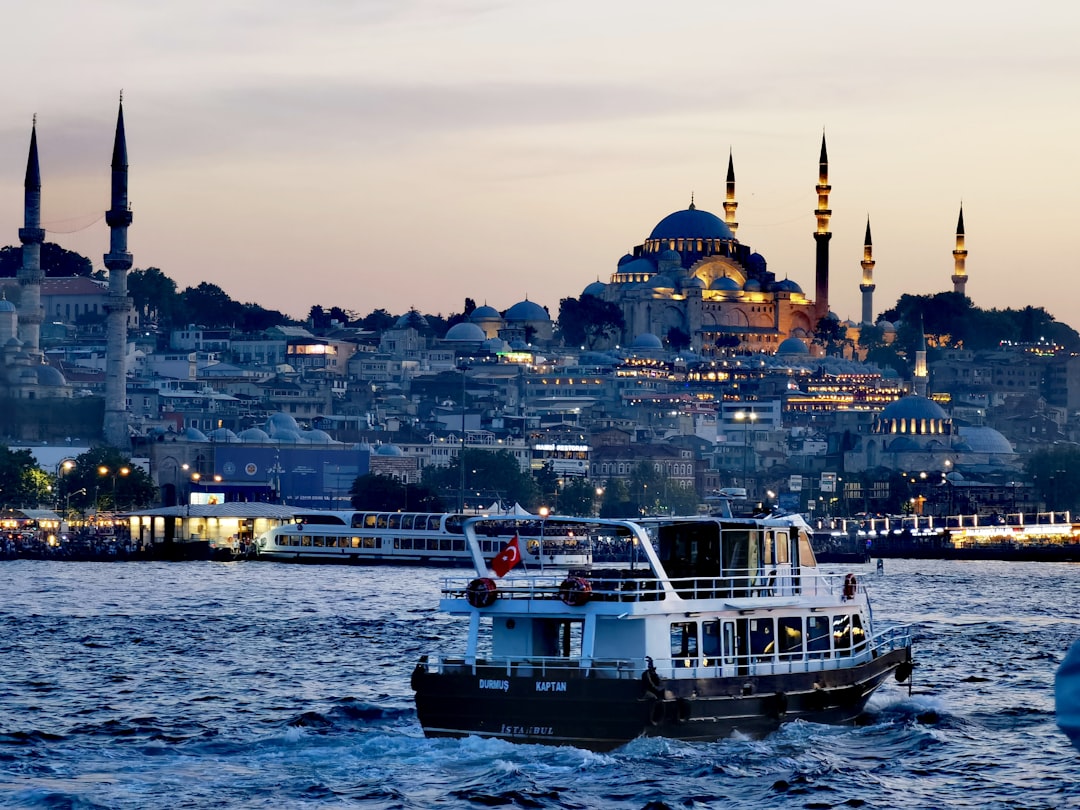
[(647, 340), (886, 326), (694, 283), (661, 281), (412, 315), (850, 324), (194, 435), (626, 258), (638, 266), (671, 256), (317, 436), (485, 313), (527, 311), (788, 286), (496, 345), (792, 346), (222, 435), (752, 285), (47, 375), (388, 450), (6, 306), (281, 421), (519, 345), (253, 434), (289, 437), (725, 284), (465, 332), (832, 316), (595, 289), (756, 263)]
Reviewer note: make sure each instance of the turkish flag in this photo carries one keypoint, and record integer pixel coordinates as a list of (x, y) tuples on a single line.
[(507, 558)]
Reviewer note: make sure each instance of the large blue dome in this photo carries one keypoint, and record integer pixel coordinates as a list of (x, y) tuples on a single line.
[(913, 407), (527, 311), (692, 223)]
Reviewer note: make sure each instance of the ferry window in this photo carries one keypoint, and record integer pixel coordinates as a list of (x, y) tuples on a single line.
[(433, 523), (684, 643), (710, 643), (407, 522), (782, 548), (305, 540), (433, 544), (369, 542), (858, 636), (444, 544), (761, 638), (318, 540), (459, 545), (789, 637), (817, 636), (356, 542), (395, 522), (380, 522), (842, 634), (357, 521), (767, 556), (369, 521)]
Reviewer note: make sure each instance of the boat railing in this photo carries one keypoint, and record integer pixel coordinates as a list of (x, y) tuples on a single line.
[(638, 585), (702, 664)]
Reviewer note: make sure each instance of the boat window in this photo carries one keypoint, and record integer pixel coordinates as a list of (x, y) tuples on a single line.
[(357, 520), (459, 545), (370, 542), (445, 544), (858, 635), (395, 522), (455, 524), (305, 540), (433, 523), (356, 542), (433, 544), (767, 552), (380, 522), (710, 643), (842, 634), (762, 639), (817, 636), (407, 522), (684, 644), (369, 521), (789, 637), (782, 555)]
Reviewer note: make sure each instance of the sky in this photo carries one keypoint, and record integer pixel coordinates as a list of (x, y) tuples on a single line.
[(400, 153)]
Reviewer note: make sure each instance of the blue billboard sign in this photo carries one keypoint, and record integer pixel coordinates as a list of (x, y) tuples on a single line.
[(311, 477)]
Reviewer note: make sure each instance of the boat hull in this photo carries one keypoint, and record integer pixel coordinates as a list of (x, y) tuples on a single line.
[(561, 707)]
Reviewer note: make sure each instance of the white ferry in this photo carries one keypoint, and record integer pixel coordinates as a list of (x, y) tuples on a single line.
[(714, 626), (418, 538)]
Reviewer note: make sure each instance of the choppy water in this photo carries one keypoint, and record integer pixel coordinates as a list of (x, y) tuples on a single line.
[(247, 685)]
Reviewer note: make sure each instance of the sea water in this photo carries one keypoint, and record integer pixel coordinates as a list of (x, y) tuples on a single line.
[(261, 685)]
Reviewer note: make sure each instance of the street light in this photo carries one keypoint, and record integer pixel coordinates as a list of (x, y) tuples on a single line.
[(751, 417), (103, 471)]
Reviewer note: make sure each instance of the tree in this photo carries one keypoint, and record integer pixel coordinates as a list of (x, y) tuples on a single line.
[(577, 497), (381, 493), (56, 262), (211, 306), (493, 473), (105, 478), (153, 294), (829, 333), (587, 320), (21, 482), (616, 501), (378, 320)]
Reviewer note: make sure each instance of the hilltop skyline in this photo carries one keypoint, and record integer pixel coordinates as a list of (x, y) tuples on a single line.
[(389, 155)]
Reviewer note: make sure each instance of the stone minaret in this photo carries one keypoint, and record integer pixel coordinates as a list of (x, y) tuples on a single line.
[(867, 285), (118, 262), (922, 373), (729, 202), (959, 276), (822, 235), (30, 274)]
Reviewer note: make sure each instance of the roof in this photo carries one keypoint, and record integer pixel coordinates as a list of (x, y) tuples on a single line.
[(692, 223), (237, 509), (72, 285)]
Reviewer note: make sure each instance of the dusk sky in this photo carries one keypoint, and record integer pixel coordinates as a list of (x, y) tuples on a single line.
[(397, 153)]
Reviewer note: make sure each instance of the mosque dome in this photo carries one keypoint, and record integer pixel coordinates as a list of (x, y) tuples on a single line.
[(886, 326), (671, 256), (253, 434), (913, 407), (281, 421), (625, 258), (661, 281), (465, 332), (647, 340), (194, 435), (496, 345), (527, 311), (791, 346), (756, 263), (317, 436), (752, 285), (788, 286), (287, 436), (596, 289), (725, 284), (519, 345), (6, 306), (47, 375), (412, 315), (986, 440), (694, 283), (692, 223), (389, 450), (485, 313), (914, 415), (222, 435), (638, 266)]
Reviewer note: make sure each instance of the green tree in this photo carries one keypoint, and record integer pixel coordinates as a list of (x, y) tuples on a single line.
[(587, 320), (615, 502), (104, 478), (378, 320), (209, 305), (153, 293), (19, 487), (56, 262), (577, 497), (494, 473)]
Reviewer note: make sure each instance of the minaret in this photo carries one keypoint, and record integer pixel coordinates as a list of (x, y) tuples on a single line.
[(729, 203), (822, 235), (922, 374), (867, 285), (31, 235), (959, 276), (118, 262)]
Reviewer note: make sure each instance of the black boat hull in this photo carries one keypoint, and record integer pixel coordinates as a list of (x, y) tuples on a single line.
[(560, 707)]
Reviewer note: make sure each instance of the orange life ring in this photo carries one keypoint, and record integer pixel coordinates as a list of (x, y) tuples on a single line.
[(575, 591), (851, 586), (482, 592)]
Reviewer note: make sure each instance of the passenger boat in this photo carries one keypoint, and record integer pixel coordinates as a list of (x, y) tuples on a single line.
[(720, 626), (417, 538)]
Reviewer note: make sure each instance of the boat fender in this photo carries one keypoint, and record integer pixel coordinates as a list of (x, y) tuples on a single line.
[(903, 672), (851, 586), (683, 709), (656, 712), (575, 591), (482, 592), (780, 704)]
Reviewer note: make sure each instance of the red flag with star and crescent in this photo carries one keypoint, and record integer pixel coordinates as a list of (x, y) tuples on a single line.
[(507, 558)]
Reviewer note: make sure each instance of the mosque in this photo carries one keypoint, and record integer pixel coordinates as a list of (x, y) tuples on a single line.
[(693, 275)]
